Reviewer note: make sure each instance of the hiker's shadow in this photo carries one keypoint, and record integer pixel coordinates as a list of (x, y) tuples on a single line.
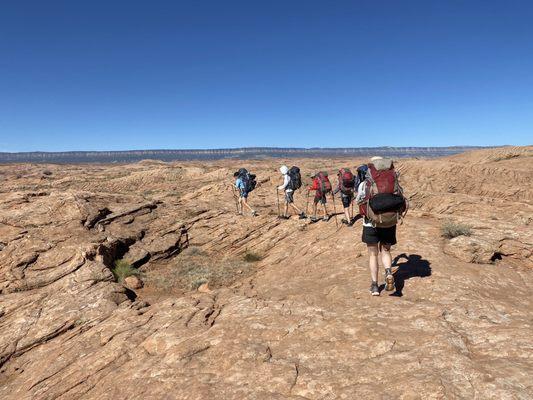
[(413, 266)]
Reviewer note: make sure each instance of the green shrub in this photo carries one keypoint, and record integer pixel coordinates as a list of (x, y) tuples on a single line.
[(122, 269), (252, 257), (451, 229)]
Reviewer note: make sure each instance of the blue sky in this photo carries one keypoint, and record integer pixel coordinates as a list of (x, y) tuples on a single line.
[(135, 75)]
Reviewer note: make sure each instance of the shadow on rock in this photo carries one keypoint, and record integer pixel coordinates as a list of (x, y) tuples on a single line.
[(413, 266)]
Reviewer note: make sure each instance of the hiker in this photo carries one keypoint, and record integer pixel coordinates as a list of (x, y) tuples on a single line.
[(322, 186), (346, 186), (359, 177), (245, 183), (292, 181), (382, 203)]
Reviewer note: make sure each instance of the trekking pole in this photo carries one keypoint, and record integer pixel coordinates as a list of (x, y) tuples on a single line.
[(334, 210), (277, 197), (235, 198)]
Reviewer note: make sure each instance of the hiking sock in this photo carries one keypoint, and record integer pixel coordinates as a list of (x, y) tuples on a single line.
[(389, 280), (374, 289)]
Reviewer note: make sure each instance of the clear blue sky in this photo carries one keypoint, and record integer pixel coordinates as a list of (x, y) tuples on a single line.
[(110, 75)]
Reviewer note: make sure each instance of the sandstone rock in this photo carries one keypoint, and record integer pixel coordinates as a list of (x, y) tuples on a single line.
[(300, 324), (471, 249), (204, 288), (133, 282)]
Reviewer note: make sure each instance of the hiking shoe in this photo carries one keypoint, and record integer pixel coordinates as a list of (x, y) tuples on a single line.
[(283, 217), (389, 280), (374, 289), (345, 221), (313, 219), (326, 218), (303, 216), (254, 213)]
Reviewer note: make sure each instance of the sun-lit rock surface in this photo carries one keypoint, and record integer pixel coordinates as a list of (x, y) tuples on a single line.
[(298, 323)]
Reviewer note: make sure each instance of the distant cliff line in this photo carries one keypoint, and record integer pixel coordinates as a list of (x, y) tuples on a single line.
[(217, 154)]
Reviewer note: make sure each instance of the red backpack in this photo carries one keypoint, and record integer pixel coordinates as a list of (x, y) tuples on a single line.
[(346, 181), (384, 203), (324, 185)]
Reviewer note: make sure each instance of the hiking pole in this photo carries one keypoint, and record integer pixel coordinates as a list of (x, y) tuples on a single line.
[(277, 197), (334, 210), (235, 198)]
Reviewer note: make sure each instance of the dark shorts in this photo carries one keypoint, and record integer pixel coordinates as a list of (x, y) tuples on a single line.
[(289, 197), (346, 200), (379, 235), (320, 198), (244, 195)]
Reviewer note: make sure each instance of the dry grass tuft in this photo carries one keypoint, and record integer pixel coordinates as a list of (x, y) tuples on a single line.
[(451, 229), (122, 269)]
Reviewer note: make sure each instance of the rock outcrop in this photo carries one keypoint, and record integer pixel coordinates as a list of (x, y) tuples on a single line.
[(260, 307)]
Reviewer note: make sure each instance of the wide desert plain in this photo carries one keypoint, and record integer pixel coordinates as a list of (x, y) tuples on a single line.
[(223, 306)]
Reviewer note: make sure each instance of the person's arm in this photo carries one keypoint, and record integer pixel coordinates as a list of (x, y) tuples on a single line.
[(286, 180)]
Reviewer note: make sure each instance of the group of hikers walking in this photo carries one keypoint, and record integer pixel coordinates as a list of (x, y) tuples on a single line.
[(373, 188)]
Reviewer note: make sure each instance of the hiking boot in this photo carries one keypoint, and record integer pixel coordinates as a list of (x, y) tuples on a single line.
[(313, 219), (345, 221), (283, 217), (326, 218), (303, 216), (374, 289), (254, 213), (389, 280)]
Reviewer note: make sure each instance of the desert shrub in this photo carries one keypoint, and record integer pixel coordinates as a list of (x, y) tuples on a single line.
[(47, 172), (193, 275), (250, 256), (451, 229), (122, 269)]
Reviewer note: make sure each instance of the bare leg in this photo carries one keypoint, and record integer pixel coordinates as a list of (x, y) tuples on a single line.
[(286, 209), (325, 210), (386, 257), (245, 203), (298, 211), (373, 261), (314, 210), (347, 214)]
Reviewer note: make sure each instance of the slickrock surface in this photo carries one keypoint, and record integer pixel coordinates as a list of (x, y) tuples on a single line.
[(297, 324)]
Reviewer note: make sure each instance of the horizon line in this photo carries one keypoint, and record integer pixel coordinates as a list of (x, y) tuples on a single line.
[(256, 148)]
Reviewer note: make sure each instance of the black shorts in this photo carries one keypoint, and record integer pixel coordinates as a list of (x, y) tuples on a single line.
[(379, 235), (289, 197), (346, 200), (320, 198)]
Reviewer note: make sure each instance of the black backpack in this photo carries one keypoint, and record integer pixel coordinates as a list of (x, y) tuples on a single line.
[(248, 179), (295, 181)]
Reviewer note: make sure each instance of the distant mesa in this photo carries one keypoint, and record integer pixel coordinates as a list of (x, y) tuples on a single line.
[(218, 154)]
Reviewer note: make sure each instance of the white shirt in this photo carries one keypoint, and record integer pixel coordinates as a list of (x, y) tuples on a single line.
[(286, 180), (361, 193)]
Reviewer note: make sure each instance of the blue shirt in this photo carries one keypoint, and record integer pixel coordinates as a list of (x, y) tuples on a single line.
[(239, 184)]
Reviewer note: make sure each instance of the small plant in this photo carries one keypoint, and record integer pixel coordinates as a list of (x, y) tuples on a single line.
[(122, 269), (451, 229), (47, 172), (252, 257)]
